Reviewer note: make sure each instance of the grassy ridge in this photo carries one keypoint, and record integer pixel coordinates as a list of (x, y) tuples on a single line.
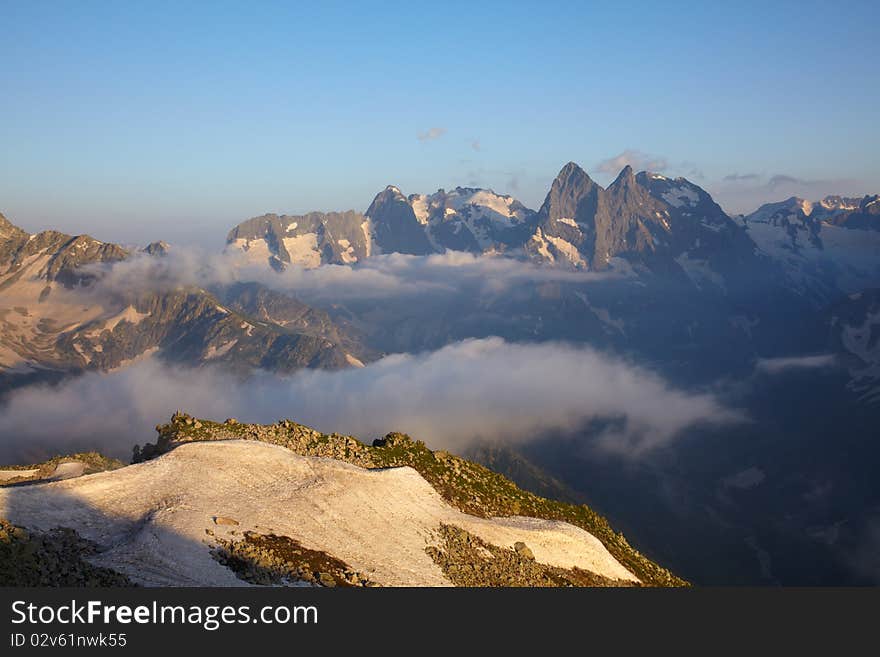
[(468, 486)]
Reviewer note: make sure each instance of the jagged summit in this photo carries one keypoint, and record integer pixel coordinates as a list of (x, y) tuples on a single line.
[(571, 169), (569, 190), (9, 231), (158, 248), (394, 227), (626, 175), (572, 174)]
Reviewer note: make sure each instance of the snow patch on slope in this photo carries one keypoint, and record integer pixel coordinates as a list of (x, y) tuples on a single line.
[(567, 250), (215, 352), (130, 315), (150, 519), (303, 250), (681, 196), (255, 251)]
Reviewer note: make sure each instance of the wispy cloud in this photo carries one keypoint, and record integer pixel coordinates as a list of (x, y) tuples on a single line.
[(775, 181), (636, 159), (776, 365), (781, 180), (741, 177), (431, 134)]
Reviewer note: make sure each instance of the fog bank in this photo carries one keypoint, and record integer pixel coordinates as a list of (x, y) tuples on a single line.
[(468, 391)]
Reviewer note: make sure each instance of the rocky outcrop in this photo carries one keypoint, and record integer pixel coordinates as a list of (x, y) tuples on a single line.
[(271, 560), (469, 561), (395, 227), (51, 559)]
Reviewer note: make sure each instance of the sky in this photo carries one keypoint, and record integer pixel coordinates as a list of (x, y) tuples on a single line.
[(142, 121)]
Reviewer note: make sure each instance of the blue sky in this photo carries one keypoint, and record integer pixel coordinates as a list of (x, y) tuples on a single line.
[(140, 121)]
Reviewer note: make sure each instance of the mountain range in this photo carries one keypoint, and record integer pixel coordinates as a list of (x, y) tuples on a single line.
[(733, 280), (650, 220), (57, 320), (780, 308)]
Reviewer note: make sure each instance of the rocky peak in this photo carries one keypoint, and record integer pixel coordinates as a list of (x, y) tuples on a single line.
[(835, 202), (872, 201), (395, 225), (572, 175), (626, 188), (391, 194), (625, 177), (9, 230), (159, 248), (573, 195)]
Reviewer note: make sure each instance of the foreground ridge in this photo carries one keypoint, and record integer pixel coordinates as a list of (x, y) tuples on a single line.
[(467, 486)]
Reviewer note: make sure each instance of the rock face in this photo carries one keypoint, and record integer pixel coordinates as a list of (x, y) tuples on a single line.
[(854, 325), (566, 223), (469, 561), (65, 255), (307, 240), (49, 559), (271, 560), (395, 227), (664, 224)]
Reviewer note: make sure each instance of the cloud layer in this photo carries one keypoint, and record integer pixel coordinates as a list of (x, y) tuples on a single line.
[(379, 277), (472, 390)]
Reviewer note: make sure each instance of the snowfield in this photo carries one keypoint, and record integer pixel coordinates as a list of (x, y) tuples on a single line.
[(151, 519)]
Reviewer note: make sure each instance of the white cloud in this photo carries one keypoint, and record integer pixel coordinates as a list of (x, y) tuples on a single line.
[(471, 390), (776, 365), (636, 159), (381, 276), (431, 134)]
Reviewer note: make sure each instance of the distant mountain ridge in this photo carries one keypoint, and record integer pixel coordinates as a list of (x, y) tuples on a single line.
[(644, 220), (580, 224), (826, 247), (53, 325)]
